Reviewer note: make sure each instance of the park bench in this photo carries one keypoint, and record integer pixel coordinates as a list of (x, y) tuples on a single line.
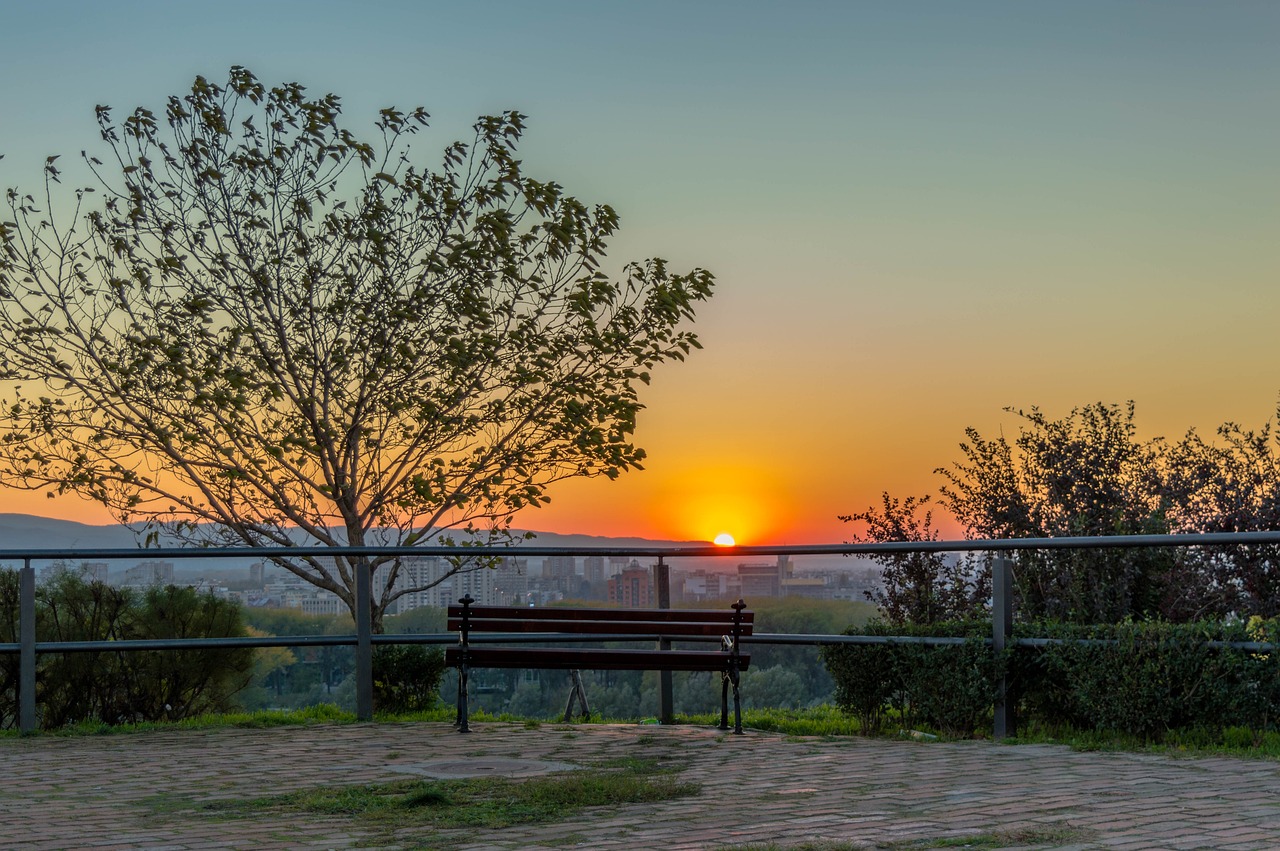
[(485, 633)]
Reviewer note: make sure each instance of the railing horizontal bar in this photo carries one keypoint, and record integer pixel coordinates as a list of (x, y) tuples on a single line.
[(194, 643), (468, 553), (417, 638), (447, 638), (1251, 646), (821, 640)]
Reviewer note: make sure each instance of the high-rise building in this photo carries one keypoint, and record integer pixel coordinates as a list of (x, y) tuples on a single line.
[(759, 580), (149, 573), (593, 569), (511, 581), (765, 580), (698, 585), (632, 588), (559, 567), (426, 582)]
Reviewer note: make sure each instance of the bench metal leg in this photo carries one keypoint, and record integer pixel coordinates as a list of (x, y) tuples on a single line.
[(463, 709), (724, 700), (579, 692), (737, 702)]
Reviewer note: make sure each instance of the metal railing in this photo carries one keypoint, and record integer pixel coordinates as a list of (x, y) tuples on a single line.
[(28, 648)]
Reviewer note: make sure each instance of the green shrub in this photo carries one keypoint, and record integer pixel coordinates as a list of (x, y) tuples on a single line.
[(118, 687), (950, 688), (1152, 681), (1148, 679), (867, 676), (406, 677)]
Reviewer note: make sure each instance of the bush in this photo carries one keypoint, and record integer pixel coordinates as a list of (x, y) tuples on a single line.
[(1151, 680), (950, 688), (115, 686), (406, 677), (867, 677)]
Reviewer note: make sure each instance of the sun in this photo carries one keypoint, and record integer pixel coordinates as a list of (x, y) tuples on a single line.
[(724, 539)]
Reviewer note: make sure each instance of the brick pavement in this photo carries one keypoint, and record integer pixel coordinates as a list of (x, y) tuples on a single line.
[(759, 789)]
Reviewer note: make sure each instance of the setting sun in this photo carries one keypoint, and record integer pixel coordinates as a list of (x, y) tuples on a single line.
[(724, 539)]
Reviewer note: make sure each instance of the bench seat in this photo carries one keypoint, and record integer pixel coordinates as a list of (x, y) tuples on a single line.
[(487, 638)]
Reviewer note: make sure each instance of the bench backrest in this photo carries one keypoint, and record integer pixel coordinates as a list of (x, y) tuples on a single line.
[(600, 621)]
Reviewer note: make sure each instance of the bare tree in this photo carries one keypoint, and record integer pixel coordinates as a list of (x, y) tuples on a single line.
[(255, 325)]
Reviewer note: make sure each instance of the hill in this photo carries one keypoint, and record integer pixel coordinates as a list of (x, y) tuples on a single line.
[(30, 532)]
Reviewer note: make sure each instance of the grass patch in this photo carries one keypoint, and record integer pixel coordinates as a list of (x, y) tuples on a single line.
[(825, 720), (263, 719), (807, 846), (489, 803), (1233, 741), (996, 839)]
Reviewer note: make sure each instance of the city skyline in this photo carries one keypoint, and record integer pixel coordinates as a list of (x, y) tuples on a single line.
[(916, 215)]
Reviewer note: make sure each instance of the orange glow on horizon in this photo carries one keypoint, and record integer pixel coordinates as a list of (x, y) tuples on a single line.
[(701, 503)]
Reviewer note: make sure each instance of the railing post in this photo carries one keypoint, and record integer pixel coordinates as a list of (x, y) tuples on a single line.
[(1001, 632), (666, 707), (364, 641), (27, 651)]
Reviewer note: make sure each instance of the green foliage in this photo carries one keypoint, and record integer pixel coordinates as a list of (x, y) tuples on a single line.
[(275, 621), (796, 616), (1084, 474), (1149, 679), (486, 803), (263, 325), (262, 719), (950, 688), (123, 687), (317, 675), (1232, 486), (1152, 681), (1089, 474), (821, 720), (777, 687), (867, 678), (406, 677)]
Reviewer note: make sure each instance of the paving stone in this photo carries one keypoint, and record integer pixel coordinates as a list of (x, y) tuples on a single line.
[(101, 792)]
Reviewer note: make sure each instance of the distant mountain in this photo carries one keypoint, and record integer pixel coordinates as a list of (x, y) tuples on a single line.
[(599, 542), (28, 532)]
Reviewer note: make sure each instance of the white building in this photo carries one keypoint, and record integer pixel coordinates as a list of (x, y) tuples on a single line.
[(488, 586)]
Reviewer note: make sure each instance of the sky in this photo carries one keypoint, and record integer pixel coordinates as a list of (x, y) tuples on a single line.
[(918, 213)]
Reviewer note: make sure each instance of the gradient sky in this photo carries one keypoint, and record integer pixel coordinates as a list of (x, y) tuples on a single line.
[(918, 213)]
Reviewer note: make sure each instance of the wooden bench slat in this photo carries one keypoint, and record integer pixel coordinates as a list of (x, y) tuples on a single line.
[(635, 627), (595, 660), (596, 612)]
